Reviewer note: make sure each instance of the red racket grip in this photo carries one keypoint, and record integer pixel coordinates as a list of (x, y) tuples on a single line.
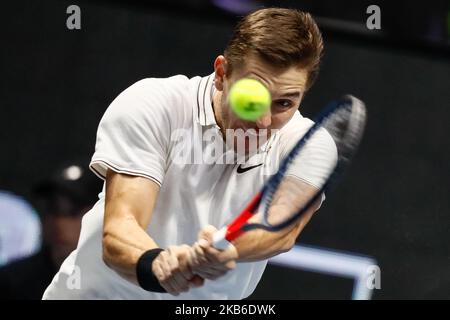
[(223, 237)]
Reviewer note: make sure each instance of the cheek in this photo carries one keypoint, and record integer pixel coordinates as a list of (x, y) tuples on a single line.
[(231, 121), (280, 119), (234, 120)]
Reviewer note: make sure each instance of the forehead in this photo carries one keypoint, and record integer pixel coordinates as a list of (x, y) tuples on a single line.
[(276, 79)]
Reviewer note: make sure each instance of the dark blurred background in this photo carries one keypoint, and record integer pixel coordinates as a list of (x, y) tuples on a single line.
[(394, 206)]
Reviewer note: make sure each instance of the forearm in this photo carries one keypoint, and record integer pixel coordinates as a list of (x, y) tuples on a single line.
[(124, 241), (128, 206), (260, 244)]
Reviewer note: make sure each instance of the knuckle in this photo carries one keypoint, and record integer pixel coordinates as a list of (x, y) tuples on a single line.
[(164, 255), (175, 269)]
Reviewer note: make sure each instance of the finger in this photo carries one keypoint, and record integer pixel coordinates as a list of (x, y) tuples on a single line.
[(176, 279), (184, 258), (160, 274), (169, 288), (218, 256), (193, 260), (186, 271), (199, 254), (212, 262), (230, 265), (207, 233), (196, 281), (213, 269), (157, 271), (180, 283), (166, 282), (210, 253), (161, 263), (211, 274), (192, 257)]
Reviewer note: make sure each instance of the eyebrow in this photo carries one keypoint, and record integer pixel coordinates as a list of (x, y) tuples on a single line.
[(294, 95)]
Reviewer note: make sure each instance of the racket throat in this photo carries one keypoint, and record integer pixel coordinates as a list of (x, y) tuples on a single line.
[(222, 238), (219, 239)]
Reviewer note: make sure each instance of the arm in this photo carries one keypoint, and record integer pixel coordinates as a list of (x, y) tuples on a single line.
[(128, 208), (257, 244), (310, 169), (129, 204), (261, 244), (134, 136), (313, 165)]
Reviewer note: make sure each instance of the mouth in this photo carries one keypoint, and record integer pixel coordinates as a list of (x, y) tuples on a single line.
[(256, 132), (251, 131)]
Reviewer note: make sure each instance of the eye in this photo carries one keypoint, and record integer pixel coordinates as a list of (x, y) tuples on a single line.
[(283, 104)]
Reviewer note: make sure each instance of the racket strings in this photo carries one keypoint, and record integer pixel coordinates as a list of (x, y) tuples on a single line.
[(288, 196)]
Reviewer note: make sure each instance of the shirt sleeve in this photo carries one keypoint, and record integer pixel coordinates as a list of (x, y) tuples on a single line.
[(133, 134), (316, 160)]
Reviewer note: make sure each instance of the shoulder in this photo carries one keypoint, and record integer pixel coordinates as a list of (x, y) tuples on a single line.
[(170, 87), (165, 93), (164, 102), (297, 127)]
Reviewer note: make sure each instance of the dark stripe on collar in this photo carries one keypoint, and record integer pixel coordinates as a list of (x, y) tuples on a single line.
[(198, 101)]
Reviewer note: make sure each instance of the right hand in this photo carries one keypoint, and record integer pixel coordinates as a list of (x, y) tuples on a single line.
[(209, 262), (173, 271)]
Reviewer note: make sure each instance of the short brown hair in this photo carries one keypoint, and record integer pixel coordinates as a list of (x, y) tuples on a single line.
[(281, 37)]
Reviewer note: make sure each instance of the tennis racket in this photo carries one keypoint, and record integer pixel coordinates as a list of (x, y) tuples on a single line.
[(344, 120)]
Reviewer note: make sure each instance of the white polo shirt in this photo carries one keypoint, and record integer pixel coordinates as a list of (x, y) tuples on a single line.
[(139, 135)]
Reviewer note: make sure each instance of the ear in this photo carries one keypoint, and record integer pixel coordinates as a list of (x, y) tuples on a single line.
[(220, 68)]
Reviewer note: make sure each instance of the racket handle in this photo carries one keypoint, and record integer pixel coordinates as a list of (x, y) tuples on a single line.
[(219, 240)]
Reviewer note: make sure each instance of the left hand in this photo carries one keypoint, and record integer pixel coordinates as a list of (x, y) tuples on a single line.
[(209, 262), (171, 268)]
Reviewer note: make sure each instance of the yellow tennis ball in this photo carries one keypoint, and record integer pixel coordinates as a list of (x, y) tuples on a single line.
[(249, 99)]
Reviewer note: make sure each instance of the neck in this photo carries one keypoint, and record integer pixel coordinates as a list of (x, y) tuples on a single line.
[(217, 108)]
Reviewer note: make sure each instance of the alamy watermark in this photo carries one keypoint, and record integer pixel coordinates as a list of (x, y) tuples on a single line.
[(73, 21), (238, 147), (373, 277), (73, 281), (373, 22)]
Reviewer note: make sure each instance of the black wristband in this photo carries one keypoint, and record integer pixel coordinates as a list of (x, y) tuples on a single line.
[(145, 277)]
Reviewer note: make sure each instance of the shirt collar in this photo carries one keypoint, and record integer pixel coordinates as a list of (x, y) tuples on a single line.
[(205, 91)]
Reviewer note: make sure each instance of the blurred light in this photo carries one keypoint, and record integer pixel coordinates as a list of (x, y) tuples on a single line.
[(73, 173), (330, 262), (238, 6), (20, 228)]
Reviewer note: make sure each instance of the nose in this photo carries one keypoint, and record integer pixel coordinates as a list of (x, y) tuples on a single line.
[(264, 121)]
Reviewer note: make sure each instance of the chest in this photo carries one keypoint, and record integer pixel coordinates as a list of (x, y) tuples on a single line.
[(206, 177)]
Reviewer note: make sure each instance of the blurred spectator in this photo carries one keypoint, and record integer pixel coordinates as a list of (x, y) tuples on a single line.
[(62, 199), (20, 228)]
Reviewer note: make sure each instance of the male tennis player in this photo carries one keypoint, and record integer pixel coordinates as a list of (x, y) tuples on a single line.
[(137, 241)]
